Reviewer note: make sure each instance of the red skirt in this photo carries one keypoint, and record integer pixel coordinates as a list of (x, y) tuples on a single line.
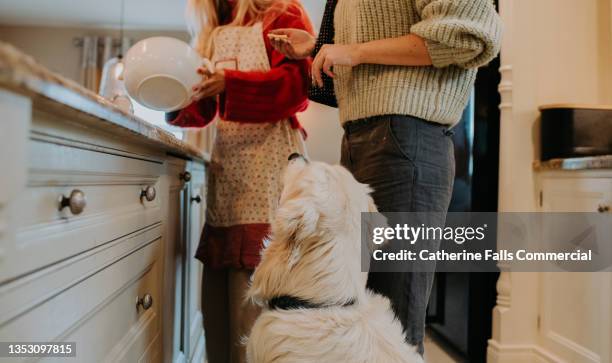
[(237, 247)]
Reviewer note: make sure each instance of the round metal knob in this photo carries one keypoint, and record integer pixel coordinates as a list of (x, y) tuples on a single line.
[(197, 199), (76, 202), (186, 176), (145, 302), (603, 209), (148, 193)]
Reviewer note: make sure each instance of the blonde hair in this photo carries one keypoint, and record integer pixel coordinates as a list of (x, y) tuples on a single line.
[(203, 18)]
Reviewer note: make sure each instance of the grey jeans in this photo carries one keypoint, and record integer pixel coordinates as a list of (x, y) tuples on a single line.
[(410, 165)]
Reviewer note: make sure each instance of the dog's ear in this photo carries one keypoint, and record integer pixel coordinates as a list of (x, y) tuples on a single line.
[(296, 220), (270, 274)]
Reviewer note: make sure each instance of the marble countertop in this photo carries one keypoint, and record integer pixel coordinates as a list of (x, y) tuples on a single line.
[(21, 73), (585, 163)]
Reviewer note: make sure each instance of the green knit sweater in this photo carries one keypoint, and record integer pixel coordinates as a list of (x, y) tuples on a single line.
[(461, 35)]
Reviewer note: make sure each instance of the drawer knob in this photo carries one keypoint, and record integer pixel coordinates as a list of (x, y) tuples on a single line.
[(197, 199), (603, 209), (76, 202), (145, 302), (186, 176), (148, 193)]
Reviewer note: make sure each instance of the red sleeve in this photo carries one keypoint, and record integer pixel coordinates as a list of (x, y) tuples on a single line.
[(276, 94), (197, 114)]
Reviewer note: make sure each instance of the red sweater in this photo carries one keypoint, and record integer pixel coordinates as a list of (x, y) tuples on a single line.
[(258, 96)]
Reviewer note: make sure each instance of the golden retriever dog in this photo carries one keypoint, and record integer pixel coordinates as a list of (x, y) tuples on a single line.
[(316, 308)]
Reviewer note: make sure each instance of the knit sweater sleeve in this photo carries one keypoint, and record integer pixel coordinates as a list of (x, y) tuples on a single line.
[(465, 33)]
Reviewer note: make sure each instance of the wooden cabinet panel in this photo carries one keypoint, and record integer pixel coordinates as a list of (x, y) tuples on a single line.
[(174, 314), (90, 300), (575, 194), (121, 331), (575, 318), (183, 335), (196, 224), (112, 186)]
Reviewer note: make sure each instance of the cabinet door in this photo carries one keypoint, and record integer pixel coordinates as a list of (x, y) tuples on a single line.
[(196, 223), (575, 194), (175, 287), (575, 313), (183, 331), (91, 299)]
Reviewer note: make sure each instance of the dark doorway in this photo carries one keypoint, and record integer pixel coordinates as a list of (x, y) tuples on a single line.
[(460, 308)]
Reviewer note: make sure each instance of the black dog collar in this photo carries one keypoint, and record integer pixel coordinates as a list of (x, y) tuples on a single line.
[(286, 302)]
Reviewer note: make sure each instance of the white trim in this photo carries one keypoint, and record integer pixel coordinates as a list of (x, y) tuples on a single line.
[(581, 106), (573, 346), (518, 353), (506, 87)]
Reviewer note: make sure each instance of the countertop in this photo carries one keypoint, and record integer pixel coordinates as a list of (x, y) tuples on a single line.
[(19, 72), (585, 163)]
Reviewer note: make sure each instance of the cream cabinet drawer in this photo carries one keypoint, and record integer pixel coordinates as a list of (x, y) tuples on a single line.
[(576, 194), (91, 300), (121, 196)]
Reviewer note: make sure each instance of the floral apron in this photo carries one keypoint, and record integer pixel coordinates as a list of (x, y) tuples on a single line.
[(247, 159)]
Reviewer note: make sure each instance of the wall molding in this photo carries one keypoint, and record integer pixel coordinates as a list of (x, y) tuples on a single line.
[(504, 289), (506, 87), (518, 353)]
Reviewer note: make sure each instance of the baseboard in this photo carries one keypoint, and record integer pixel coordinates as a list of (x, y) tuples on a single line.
[(518, 353)]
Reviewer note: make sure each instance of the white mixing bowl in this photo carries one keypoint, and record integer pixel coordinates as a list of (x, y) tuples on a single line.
[(160, 72)]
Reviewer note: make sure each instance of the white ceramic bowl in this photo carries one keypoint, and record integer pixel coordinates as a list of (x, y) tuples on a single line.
[(160, 72)]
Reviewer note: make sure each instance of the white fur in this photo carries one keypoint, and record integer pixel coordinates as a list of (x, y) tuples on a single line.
[(314, 254)]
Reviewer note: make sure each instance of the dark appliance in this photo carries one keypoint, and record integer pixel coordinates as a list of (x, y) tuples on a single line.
[(461, 304), (569, 131)]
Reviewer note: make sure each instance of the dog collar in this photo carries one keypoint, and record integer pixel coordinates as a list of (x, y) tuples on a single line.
[(286, 302)]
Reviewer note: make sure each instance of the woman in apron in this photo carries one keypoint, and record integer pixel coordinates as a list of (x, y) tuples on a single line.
[(253, 94)]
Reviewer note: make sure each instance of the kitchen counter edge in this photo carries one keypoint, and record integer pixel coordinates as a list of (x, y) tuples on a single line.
[(19, 72), (584, 163)]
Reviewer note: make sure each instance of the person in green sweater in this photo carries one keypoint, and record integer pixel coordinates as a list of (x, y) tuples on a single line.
[(403, 72)]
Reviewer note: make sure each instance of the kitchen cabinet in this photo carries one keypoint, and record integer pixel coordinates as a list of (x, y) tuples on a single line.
[(100, 215), (576, 192), (558, 316), (197, 212), (183, 318), (174, 261), (585, 334)]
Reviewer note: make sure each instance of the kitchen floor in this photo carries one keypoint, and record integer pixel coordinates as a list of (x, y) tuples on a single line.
[(436, 352)]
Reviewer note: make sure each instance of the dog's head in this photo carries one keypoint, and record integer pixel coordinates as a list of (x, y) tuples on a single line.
[(319, 200), (314, 252)]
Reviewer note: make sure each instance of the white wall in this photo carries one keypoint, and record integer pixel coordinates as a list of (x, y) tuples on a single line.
[(315, 11), (324, 132), (321, 122), (53, 46)]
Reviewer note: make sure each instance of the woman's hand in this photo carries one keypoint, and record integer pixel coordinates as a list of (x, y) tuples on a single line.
[(292, 43), (212, 84), (332, 55)]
